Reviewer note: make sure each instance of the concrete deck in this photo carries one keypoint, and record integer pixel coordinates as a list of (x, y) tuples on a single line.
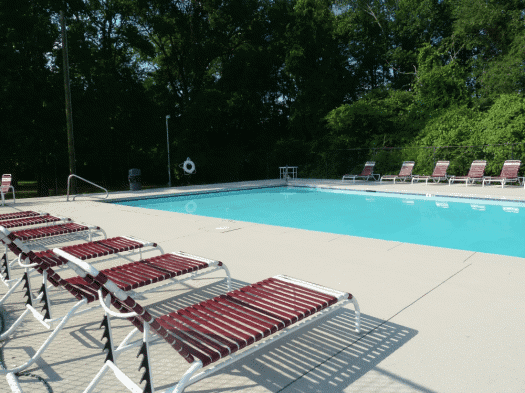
[(434, 319)]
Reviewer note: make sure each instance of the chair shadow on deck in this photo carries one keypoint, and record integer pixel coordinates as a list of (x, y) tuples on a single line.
[(327, 355)]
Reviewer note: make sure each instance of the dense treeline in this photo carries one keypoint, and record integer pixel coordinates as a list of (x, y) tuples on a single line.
[(251, 85)]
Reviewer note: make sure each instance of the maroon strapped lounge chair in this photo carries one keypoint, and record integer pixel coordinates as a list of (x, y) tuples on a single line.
[(509, 173), (89, 250), (36, 234), (440, 173), (477, 169), (404, 174), (5, 187), (43, 218), (213, 330), (12, 216), (368, 172), (128, 277)]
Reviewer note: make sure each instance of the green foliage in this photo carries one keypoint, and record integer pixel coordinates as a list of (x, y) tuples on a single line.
[(503, 123), (488, 37), (381, 118), (30, 95), (439, 85), (315, 66), (252, 85)]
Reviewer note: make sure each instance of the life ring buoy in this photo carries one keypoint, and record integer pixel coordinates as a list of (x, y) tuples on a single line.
[(188, 166), (190, 207)]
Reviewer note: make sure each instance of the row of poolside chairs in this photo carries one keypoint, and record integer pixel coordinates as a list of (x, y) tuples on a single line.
[(509, 173), (203, 333)]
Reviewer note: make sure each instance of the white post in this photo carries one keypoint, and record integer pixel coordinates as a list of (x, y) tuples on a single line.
[(168, 140)]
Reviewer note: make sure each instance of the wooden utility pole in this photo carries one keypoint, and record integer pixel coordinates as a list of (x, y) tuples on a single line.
[(69, 114)]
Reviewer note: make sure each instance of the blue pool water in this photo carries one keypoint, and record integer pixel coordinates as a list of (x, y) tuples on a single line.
[(464, 224)]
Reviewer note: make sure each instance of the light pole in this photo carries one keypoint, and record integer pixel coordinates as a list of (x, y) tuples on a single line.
[(168, 140)]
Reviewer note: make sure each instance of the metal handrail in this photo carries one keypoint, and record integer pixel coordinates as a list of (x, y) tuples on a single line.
[(87, 181)]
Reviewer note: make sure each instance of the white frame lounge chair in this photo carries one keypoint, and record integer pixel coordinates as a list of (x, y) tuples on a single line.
[(25, 257), (6, 185), (440, 173), (477, 169), (21, 214), (368, 172), (130, 276), (212, 330), (404, 174), (33, 236), (509, 173)]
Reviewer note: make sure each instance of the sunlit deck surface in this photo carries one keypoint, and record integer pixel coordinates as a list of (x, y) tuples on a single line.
[(434, 319)]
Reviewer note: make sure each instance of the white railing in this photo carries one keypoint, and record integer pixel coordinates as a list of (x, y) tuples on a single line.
[(87, 181)]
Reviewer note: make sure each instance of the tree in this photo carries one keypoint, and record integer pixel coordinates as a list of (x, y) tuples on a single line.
[(317, 65), (439, 84), (31, 107), (490, 35)]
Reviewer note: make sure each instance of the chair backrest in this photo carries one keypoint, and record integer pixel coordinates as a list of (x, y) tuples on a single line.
[(368, 169), (406, 169), (510, 169), (477, 169), (123, 302), (441, 169), (10, 240), (6, 182)]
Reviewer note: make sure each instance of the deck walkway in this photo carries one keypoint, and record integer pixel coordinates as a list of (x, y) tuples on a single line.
[(434, 319)]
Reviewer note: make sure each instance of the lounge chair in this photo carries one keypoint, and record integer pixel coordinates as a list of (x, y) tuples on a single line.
[(212, 330), (368, 172), (41, 218), (12, 216), (477, 169), (34, 235), (128, 277), (404, 174), (5, 187), (509, 173), (87, 250), (440, 173)]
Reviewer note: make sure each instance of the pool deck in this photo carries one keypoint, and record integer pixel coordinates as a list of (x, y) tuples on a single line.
[(434, 319)]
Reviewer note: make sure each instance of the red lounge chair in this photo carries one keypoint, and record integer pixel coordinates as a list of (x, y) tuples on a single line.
[(84, 250), (36, 234), (440, 173), (509, 173), (368, 172), (5, 187), (477, 169), (404, 174), (12, 216), (213, 330), (42, 218), (128, 277)]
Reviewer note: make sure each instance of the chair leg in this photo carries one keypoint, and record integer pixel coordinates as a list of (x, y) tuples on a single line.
[(45, 297), (11, 290), (357, 315), (228, 276), (5, 267), (108, 334), (13, 327), (179, 388), (27, 286), (145, 363), (46, 343)]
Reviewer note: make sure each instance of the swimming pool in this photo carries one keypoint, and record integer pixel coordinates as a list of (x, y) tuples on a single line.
[(465, 224)]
